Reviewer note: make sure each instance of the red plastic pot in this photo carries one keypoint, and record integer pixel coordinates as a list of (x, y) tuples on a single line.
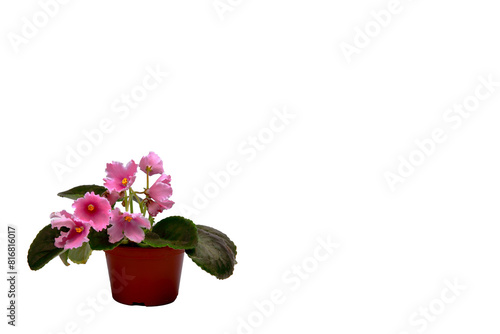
[(144, 276)]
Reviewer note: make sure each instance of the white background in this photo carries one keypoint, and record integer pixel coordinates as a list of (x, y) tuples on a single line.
[(321, 176)]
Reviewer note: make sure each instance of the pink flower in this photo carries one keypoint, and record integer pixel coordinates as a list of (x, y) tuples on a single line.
[(151, 164), (77, 233), (161, 190), (120, 177), (128, 224), (155, 208), (113, 196), (159, 194), (93, 209)]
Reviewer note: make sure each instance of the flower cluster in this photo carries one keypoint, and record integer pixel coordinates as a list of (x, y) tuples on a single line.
[(98, 212)]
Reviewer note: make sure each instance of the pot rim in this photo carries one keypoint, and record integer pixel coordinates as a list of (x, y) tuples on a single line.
[(143, 252)]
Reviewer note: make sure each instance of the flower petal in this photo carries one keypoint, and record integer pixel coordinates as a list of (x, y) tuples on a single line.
[(61, 240), (134, 232), (61, 219), (154, 208), (153, 161), (117, 172), (113, 196), (115, 233), (76, 239), (161, 190), (140, 220), (93, 209)]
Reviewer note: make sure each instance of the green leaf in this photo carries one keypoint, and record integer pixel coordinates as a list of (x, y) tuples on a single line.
[(64, 258), (152, 239), (81, 254), (42, 249), (215, 252), (100, 240), (175, 232), (80, 191)]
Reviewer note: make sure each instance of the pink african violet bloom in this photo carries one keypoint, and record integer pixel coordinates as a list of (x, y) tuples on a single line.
[(152, 164), (93, 209), (120, 177), (113, 196), (155, 208), (77, 233), (160, 193), (128, 224), (161, 190)]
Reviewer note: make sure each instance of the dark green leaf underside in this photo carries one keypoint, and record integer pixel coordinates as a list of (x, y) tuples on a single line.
[(81, 254), (64, 258), (215, 252)]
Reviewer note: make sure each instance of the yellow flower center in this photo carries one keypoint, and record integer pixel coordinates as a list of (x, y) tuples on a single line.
[(90, 207), (78, 229), (128, 218), (149, 169), (124, 181)]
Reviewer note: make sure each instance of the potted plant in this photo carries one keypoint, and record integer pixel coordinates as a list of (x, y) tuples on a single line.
[(144, 256)]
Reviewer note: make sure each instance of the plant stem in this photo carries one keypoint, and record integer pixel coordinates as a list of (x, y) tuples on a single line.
[(141, 203), (131, 198), (147, 179), (126, 202)]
